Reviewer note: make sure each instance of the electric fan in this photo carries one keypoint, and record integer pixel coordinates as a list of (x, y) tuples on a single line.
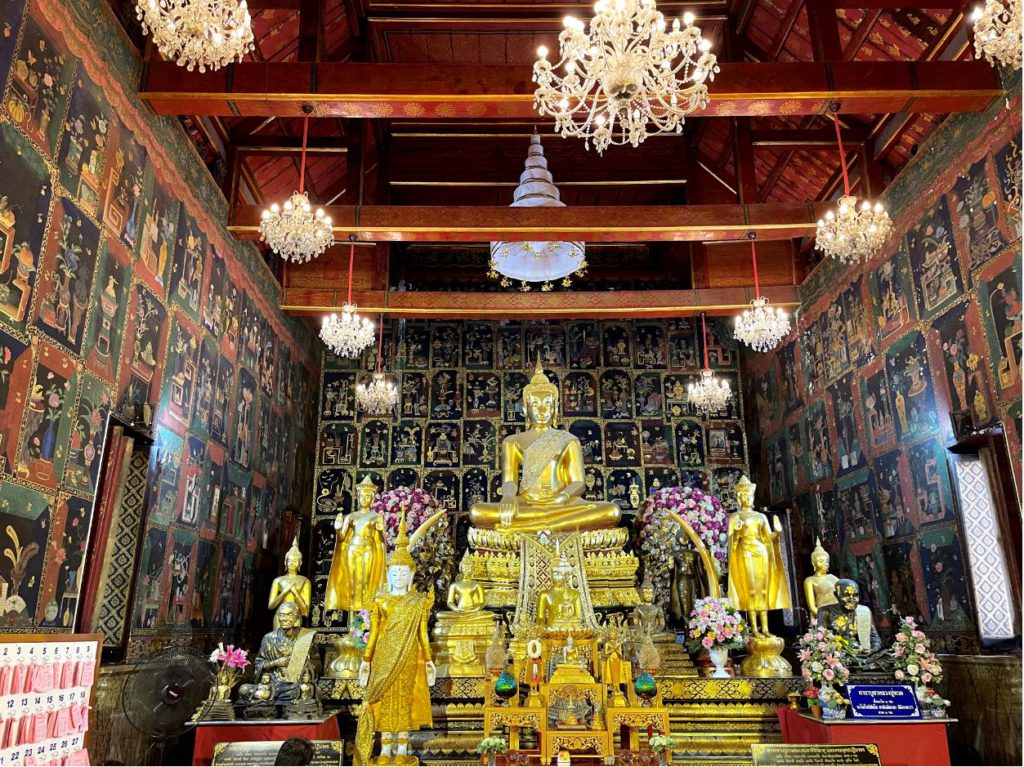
[(160, 698)]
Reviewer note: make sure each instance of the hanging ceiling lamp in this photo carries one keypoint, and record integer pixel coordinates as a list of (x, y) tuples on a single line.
[(997, 33), (380, 396), (293, 230), (852, 234), (203, 34), (761, 327), (348, 334), (627, 78), (541, 262), (710, 394)]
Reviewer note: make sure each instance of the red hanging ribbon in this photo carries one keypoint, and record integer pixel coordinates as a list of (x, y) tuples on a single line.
[(351, 264), (753, 257), (704, 328), (380, 342), (302, 163), (842, 153)]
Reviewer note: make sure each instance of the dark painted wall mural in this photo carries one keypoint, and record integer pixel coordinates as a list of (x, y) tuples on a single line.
[(119, 287), (623, 392), (859, 398)]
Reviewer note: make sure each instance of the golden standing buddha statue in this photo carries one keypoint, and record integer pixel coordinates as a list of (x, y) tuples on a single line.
[(819, 589), (396, 673), (757, 581), (359, 554), (549, 494), (291, 587)]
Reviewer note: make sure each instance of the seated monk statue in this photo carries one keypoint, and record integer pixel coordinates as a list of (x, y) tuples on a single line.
[(558, 607), (850, 619), (282, 660), (549, 494)]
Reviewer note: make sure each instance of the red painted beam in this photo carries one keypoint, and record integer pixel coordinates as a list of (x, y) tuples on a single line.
[(534, 305), (652, 223), (433, 91)]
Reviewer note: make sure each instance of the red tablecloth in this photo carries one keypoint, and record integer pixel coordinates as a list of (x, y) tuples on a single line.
[(210, 734), (910, 741)]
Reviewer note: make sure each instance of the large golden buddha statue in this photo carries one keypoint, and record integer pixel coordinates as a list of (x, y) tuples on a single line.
[(549, 494), (357, 568)]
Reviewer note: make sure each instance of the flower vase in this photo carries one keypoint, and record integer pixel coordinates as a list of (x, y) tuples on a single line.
[(719, 656), (833, 712), (492, 758), (816, 710), (663, 758)]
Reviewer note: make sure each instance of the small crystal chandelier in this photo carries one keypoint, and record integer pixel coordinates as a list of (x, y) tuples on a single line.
[(207, 34), (760, 327), (629, 77), (710, 394), (347, 335), (853, 234), (540, 262), (997, 33), (294, 231), (380, 396)]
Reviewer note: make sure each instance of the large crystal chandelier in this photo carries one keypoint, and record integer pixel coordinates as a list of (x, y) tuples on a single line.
[(541, 262), (630, 76), (380, 396), (852, 234), (709, 394), (761, 327), (207, 34), (294, 231), (997, 32), (347, 334)]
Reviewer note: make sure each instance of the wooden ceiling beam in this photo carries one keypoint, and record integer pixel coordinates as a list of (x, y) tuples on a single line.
[(810, 138), (430, 91), (595, 223), (408, 304)]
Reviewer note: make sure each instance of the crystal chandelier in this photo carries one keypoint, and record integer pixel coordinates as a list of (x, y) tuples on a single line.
[(853, 234), (540, 262), (710, 394), (207, 34), (380, 396), (348, 334), (627, 78), (293, 230), (997, 33), (760, 327)]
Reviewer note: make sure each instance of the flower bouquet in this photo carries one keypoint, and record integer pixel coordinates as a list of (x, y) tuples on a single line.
[(491, 746), (229, 663), (359, 629), (716, 626), (933, 704), (813, 702), (913, 660), (659, 535), (821, 654), (417, 504), (662, 745), (434, 554)]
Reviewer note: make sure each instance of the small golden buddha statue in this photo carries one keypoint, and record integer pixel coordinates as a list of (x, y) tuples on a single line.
[(558, 607), (291, 587), (757, 581), (357, 567), (615, 671), (819, 589), (461, 632), (549, 493), (397, 672), (649, 616)]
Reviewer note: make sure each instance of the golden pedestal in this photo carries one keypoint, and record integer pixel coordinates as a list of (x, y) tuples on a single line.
[(610, 571), (460, 641), (765, 659)]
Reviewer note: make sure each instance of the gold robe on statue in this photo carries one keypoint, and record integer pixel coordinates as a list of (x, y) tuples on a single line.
[(757, 576), (397, 696)]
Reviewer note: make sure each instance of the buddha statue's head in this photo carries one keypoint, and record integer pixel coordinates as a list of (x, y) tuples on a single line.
[(540, 400), (401, 564), (365, 493), (647, 591), (848, 593), (819, 558), (293, 558), (745, 493), (562, 573), (466, 569)]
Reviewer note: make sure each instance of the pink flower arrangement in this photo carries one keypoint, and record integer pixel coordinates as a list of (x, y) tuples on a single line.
[(821, 657), (913, 660), (359, 630), (231, 657), (715, 621), (703, 511), (416, 503)]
